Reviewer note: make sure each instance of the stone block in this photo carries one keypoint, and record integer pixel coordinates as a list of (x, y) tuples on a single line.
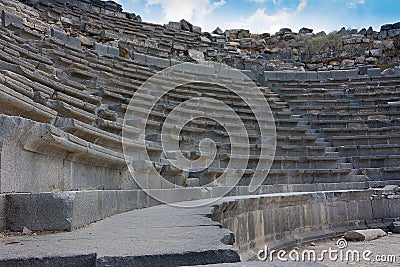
[(175, 26), (374, 72), (364, 235), (75, 42), (352, 73), (139, 57), (108, 35), (196, 55), (3, 215), (196, 29), (362, 70), (60, 35), (67, 261), (100, 49), (8, 18), (323, 75), (291, 75), (394, 188), (40, 212), (338, 74), (395, 227), (269, 75), (113, 51), (176, 194), (378, 207), (159, 62), (62, 211), (394, 206), (86, 41), (193, 182), (312, 75), (281, 75)]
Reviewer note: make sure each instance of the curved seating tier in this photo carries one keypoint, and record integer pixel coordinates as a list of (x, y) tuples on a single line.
[(73, 95), (357, 119)]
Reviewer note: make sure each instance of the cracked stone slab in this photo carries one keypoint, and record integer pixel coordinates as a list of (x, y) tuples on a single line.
[(157, 235)]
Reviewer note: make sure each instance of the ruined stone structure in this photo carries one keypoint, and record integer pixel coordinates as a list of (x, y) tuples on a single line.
[(68, 70)]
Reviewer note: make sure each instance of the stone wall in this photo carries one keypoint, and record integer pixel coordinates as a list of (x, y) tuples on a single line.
[(32, 149), (285, 220), (359, 73), (239, 48), (38, 162)]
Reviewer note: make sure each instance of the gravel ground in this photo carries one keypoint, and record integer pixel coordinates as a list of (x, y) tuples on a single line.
[(382, 252)]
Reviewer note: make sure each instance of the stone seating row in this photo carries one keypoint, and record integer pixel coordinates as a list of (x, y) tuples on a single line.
[(76, 60), (81, 62), (353, 109), (309, 95), (365, 140), (364, 131), (139, 31), (327, 76), (375, 149), (354, 123)]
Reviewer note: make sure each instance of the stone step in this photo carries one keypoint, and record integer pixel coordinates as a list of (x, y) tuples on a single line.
[(332, 154), (114, 241), (343, 159), (323, 143), (330, 149), (345, 165)]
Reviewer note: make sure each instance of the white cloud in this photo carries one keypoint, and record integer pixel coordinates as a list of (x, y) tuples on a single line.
[(193, 11), (260, 22), (354, 3), (301, 6), (276, 2)]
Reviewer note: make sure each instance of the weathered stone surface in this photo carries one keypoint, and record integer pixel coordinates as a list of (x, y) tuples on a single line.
[(305, 30), (386, 27), (114, 242), (364, 235), (395, 227), (336, 129), (86, 41), (173, 26), (376, 52), (196, 55), (297, 211), (186, 26), (196, 29), (374, 72), (108, 35), (218, 31), (393, 188), (61, 35), (8, 18), (348, 63)]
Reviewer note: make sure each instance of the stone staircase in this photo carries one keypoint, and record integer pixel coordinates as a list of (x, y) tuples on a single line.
[(355, 119)]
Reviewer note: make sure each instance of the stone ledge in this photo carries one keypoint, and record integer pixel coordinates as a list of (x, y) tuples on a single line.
[(69, 210), (288, 219), (157, 236), (88, 260), (59, 160), (284, 76)]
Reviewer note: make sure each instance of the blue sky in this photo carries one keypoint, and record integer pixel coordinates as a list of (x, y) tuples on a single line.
[(269, 15)]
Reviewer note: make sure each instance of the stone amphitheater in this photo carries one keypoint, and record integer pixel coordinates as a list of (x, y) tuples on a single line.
[(71, 194)]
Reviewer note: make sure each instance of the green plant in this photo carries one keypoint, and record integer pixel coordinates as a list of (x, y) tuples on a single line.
[(323, 44), (185, 182)]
